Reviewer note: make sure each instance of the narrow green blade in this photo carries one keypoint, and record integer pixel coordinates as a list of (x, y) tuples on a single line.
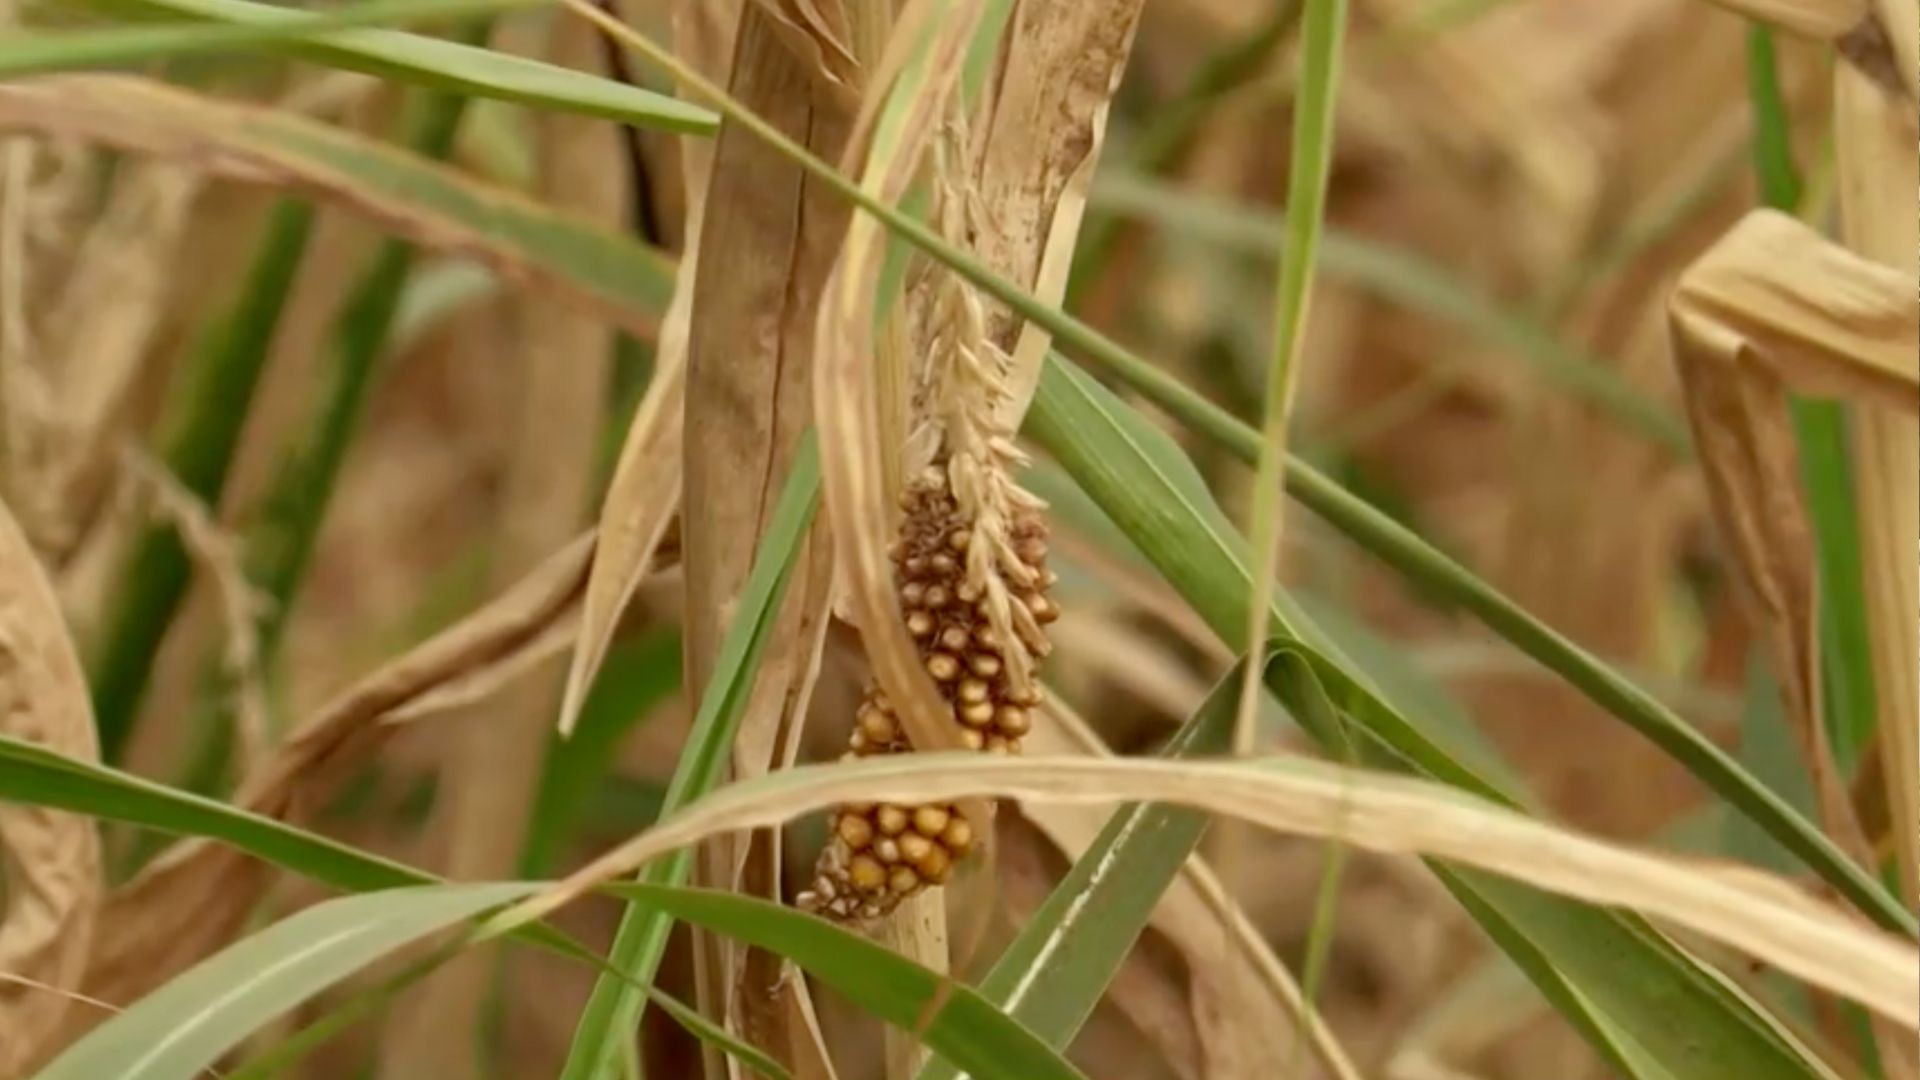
[(1053, 974), (182, 1029), (955, 1021), (1636, 981), (447, 65)]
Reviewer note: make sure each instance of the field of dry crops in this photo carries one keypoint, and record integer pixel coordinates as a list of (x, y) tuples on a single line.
[(911, 539)]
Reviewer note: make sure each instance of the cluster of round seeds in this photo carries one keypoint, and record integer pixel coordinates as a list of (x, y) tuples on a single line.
[(879, 854)]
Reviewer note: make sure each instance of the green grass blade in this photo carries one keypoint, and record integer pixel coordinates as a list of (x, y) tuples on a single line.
[(185, 1027), (1411, 281), (279, 544), (1682, 1013), (1773, 165), (1424, 564), (447, 65), (198, 433), (1053, 974), (1311, 164), (33, 775), (638, 674), (1826, 466), (612, 1012), (955, 1021), (67, 50)]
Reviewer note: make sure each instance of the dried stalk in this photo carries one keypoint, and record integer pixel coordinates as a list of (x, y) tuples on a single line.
[(49, 859)]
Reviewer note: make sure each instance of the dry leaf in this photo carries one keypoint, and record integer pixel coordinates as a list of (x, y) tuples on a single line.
[(846, 402), (1761, 915), (769, 241), (49, 859), (265, 146), (1823, 19), (1876, 134), (95, 351), (1770, 308), (1037, 139)]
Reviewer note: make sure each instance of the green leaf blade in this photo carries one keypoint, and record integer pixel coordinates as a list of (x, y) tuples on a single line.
[(182, 1029), (450, 66), (955, 1021)]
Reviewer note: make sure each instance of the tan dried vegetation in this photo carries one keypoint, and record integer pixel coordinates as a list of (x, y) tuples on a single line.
[(1556, 329)]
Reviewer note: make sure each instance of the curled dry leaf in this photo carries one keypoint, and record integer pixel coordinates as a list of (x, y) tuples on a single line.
[(49, 859), (1824, 19), (195, 897), (431, 206), (846, 404), (1037, 139), (1773, 308), (639, 506), (1759, 914), (95, 351), (818, 32)]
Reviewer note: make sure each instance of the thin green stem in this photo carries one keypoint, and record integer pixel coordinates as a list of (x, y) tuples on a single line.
[(1323, 30), (1820, 427)]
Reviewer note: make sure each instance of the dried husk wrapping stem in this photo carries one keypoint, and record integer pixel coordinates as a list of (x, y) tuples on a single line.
[(49, 859), (1774, 307), (768, 242), (1875, 129)]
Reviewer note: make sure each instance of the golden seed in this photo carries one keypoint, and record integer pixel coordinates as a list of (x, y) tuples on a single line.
[(920, 624), (931, 820), (861, 808), (1012, 720), (955, 638), (997, 744), (943, 667), (937, 597), (1043, 609), (1031, 550), (858, 741), (942, 563), (977, 714), (986, 665), (959, 539), (968, 592), (1049, 579), (887, 849), (877, 726), (903, 880), (891, 819), (1029, 697), (972, 690), (856, 832), (869, 910), (914, 847), (915, 565), (986, 638), (913, 594), (958, 835), (866, 873), (936, 865), (972, 739)]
